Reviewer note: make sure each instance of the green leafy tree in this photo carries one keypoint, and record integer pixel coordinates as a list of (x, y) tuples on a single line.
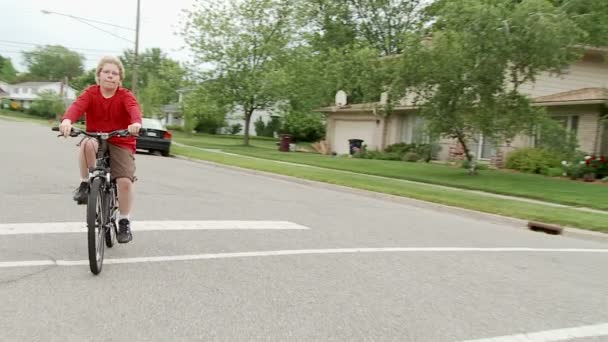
[(84, 80), (158, 78), (591, 16), (48, 104), (7, 71), (383, 23), (246, 44), (467, 77), (53, 63), (203, 111)]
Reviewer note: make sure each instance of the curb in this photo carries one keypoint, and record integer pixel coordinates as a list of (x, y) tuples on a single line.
[(505, 220)]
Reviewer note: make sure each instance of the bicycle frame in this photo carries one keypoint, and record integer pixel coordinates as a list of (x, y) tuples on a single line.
[(102, 206)]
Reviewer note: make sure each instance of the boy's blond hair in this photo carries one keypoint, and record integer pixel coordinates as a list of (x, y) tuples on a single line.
[(110, 60)]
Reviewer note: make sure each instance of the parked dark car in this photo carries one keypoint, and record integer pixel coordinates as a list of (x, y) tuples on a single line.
[(153, 136)]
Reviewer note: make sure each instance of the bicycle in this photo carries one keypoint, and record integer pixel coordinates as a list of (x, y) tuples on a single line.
[(102, 205)]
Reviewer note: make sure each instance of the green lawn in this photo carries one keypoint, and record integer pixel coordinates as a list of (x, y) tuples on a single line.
[(557, 190), (22, 116), (506, 207)]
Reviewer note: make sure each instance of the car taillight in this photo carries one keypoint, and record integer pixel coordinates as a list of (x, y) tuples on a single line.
[(167, 135)]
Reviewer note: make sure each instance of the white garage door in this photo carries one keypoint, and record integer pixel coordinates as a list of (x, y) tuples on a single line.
[(345, 130)]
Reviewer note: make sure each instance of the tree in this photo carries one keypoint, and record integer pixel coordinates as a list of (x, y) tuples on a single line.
[(48, 104), (467, 77), (203, 110), (158, 78), (7, 71), (246, 44), (330, 22), (591, 16), (53, 63), (84, 80), (383, 23)]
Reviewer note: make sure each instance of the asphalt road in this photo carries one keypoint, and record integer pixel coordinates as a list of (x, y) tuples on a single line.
[(221, 254)]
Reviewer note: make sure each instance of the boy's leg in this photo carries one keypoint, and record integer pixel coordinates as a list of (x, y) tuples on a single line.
[(122, 166), (87, 156)]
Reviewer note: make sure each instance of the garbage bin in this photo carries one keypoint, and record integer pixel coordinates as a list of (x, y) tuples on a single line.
[(355, 145), (284, 142)]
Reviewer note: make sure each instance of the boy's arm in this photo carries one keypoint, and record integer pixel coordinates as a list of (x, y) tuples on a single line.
[(132, 108), (78, 108)]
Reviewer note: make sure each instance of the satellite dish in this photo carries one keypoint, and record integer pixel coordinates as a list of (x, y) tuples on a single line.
[(340, 98)]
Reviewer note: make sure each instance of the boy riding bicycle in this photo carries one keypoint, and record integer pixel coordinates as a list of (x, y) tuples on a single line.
[(108, 107)]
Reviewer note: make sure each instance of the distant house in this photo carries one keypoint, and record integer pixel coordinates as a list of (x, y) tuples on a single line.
[(173, 114), (4, 90), (27, 92), (578, 99)]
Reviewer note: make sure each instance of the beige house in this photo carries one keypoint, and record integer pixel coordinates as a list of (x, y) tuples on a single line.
[(578, 99)]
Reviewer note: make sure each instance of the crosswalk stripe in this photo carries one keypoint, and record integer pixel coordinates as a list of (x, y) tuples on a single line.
[(139, 226), (230, 255)]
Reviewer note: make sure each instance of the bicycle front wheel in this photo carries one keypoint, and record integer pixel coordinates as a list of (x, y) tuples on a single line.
[(96, 222)]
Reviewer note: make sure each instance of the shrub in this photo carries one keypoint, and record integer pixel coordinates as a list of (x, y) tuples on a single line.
[(583, 165), (424, 151), (304, 126), (555, 138), (364, 154), (177, 128), (263, 129), (411, 157), (235, 129), (478, 166), (533, 160)]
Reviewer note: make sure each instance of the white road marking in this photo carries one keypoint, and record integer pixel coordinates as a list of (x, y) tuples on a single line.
[(552, 335), (168, 258), (139, 226)]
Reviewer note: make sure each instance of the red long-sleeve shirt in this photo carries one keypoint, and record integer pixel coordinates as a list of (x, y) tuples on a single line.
[(106, 115)]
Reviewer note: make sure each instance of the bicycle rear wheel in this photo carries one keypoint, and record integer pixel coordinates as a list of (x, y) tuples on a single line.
[(96, 222)]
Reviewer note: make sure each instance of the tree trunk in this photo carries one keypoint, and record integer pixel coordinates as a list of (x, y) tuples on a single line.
[(248, 113), (472, 165)]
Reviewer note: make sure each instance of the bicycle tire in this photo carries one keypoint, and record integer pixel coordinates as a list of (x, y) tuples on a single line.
[(111, 226), (95, 226)]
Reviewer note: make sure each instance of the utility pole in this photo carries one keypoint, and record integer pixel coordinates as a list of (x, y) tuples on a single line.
[(135, 57)]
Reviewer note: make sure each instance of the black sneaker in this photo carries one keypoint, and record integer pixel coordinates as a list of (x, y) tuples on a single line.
[(124, 231), (81, 194)]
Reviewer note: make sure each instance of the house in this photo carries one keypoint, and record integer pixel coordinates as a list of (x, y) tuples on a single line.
[(578, 99), (173, 115), (27, 92), (4, 90)]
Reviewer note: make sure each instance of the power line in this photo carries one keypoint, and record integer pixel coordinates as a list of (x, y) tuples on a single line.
[(91, 20), (17, 52), (71, 48), (108, 32)]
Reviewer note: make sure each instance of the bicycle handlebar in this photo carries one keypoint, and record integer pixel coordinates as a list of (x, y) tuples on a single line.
[(77, 131)]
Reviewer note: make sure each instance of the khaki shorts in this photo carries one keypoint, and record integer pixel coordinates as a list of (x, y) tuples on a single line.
[(122, 163)]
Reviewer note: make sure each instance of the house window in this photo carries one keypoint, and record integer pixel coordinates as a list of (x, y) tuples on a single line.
[(420, 134), (485, 149), (414, 130), (569, 122)]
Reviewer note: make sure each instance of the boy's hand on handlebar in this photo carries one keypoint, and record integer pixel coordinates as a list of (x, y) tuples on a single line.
[(134, 128), (65, 127)]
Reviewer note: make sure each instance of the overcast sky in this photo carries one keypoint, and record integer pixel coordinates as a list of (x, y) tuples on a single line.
[(23, 26)]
